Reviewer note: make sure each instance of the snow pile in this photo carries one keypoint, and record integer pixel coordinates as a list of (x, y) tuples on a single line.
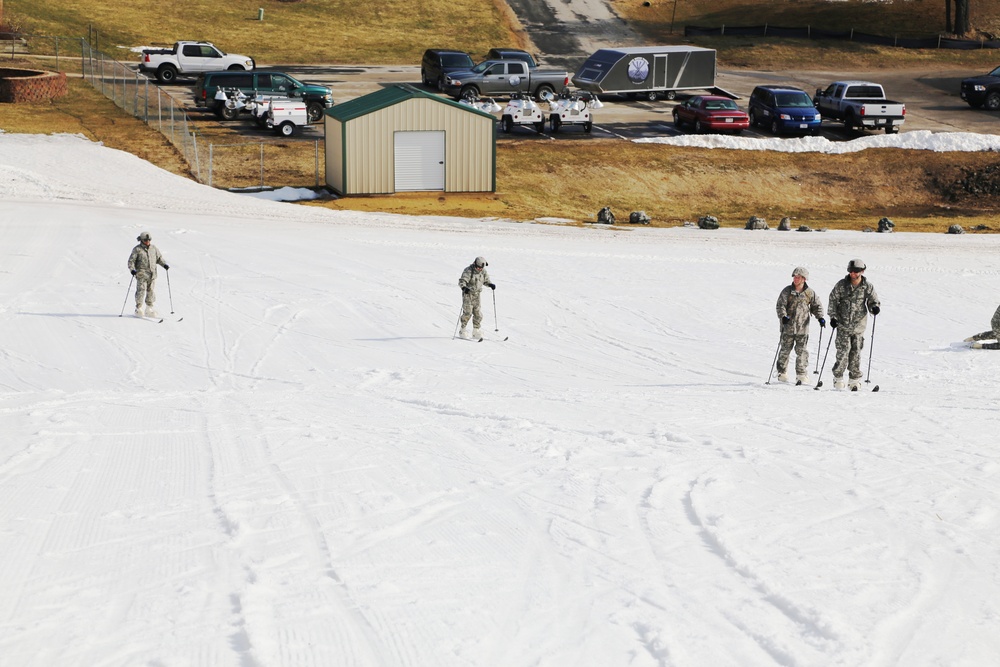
[(307, 470), (940, 142)]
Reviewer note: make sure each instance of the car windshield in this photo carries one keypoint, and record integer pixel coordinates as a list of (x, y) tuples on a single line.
[(995, 72), (792, 100), (456, 60), (720, 104), (481, 67)]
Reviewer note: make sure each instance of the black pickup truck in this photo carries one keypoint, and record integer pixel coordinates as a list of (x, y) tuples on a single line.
[(983, 90)]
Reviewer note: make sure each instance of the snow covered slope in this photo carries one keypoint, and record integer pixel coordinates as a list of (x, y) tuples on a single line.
[(308, 471)]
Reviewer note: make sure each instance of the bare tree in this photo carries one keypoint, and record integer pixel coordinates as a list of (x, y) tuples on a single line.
[(958, 25), (947, 16)]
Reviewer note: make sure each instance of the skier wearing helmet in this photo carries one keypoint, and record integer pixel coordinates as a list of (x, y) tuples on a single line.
[(852, 298), (795, 304), (142, 263), (474, 277)]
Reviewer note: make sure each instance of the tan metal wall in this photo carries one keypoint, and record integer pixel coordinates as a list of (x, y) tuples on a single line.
[(332, 130), (368, 167)]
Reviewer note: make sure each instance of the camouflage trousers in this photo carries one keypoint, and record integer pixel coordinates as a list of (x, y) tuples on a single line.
[(849, 348), (471, 309), (799, 342), (987, 335), (144, 284)]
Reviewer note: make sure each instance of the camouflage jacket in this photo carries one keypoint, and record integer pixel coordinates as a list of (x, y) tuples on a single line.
[(850, 305), (798, 306), (473, 279), (144, 260), (995, 322)]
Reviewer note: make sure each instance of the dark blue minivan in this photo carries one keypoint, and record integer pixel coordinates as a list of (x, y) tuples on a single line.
[(783, 109)]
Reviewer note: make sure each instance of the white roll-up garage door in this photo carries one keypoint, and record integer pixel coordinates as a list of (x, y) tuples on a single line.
[(419, 160)]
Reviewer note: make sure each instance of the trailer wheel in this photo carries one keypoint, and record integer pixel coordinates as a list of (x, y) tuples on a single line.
[(286, 129), (588, 126), (670, 95), (540, 127), (225, 113), (507, 124), (992, 102), (554, 123), (651, 96), (166, 73)]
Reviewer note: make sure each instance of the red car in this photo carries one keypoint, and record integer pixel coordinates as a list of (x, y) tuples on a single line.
[(711, 113)]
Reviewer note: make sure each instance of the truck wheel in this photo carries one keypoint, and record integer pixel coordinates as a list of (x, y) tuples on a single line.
[(698, 129), (235, 67), (992, 102), (651, 96), (775, 128), (469, 93), (976, 105), (890, 129), (166, 74), (314, 111), (286, 129), (225, 113), (754, 121), (544, 92)]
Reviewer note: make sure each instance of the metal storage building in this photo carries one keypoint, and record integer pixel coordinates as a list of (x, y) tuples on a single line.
[(401, 139)]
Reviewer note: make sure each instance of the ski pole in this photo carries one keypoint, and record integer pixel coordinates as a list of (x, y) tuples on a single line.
[(776, 350), (458, 321), (168, 292), (871, 348), (496, 327), (823, 367), (129, 289), (819, 346)]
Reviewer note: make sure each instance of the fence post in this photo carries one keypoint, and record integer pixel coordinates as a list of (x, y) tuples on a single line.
[(317, 162), (83, 62), (197, 164), (57, 52), (211, 162), (852, 35), (262, 165), (765, 30)]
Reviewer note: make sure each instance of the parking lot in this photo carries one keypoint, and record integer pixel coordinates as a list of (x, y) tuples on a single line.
[(931, 98)]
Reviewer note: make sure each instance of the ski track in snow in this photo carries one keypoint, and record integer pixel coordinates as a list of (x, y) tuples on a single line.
[(307, 470)]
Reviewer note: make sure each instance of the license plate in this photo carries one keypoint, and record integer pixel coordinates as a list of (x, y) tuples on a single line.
[(729, 120), (803, 126)]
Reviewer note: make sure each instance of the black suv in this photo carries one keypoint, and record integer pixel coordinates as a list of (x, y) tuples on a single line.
[(512, 54), (438, 63), (983, 91)]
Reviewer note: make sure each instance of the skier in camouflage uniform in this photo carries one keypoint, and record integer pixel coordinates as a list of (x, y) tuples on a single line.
[(852, 298), (795, 303), (993, 334), (474, 277), (142, 263)]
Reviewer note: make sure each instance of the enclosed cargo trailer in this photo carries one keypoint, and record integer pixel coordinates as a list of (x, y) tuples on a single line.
[(649, 72)]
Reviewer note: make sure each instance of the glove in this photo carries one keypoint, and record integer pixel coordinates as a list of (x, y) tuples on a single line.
[(822, 322), (491, 285), (876, 310), (133, 272), (833, 322), (166, 266), (785, 320), (465, 290)]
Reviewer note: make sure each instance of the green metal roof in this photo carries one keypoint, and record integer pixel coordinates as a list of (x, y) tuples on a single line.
[(386, 97)]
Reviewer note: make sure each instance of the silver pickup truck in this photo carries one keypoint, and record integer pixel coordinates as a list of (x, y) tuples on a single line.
[(861, 105), (496, 78)]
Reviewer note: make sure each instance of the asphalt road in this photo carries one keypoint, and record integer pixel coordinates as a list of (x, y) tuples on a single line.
[(931, 98)]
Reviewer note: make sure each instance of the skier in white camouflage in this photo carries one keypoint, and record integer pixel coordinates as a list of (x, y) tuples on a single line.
[(993, 335), (474, 277), (852, 298), (142, 263), (795, 304)]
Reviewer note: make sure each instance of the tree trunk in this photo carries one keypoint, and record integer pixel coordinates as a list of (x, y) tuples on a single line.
[(947, 16), (962, 17)]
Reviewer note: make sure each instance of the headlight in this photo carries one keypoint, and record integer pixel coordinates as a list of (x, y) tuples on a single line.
[(979, 88), (784, 116), (817, 118)]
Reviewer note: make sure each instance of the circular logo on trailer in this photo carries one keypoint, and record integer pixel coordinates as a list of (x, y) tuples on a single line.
[(638, 70)]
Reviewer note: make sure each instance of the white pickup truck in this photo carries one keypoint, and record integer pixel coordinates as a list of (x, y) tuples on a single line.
[(190, 58), (860, 105)]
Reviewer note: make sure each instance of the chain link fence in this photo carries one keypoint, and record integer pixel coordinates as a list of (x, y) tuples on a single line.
[(251, 164)]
